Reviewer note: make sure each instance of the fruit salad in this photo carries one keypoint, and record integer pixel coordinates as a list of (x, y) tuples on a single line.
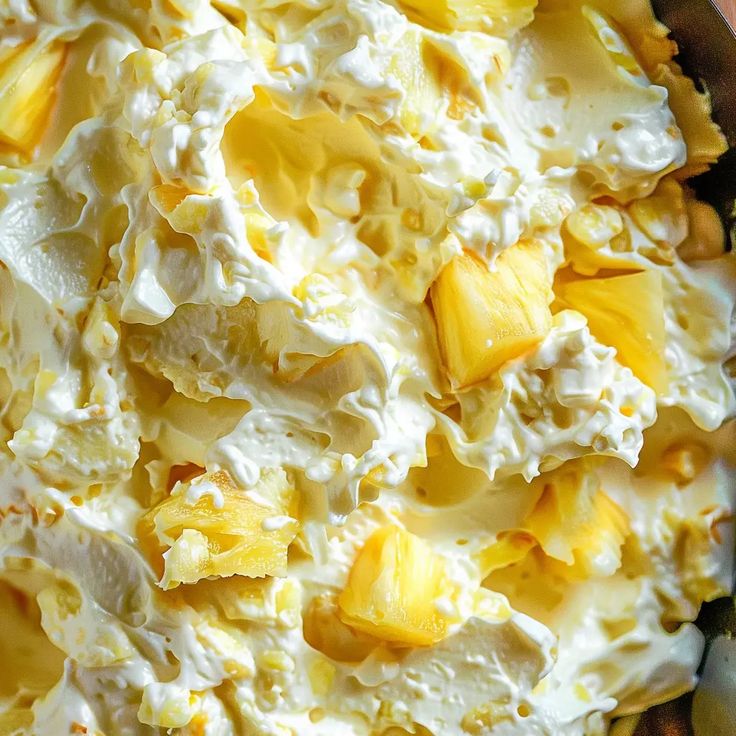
[(365, 368)]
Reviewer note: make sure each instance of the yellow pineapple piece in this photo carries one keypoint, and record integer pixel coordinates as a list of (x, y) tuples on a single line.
[(167, 705), (257, 226), (594, 225), (627, 313), (394, 590), (706, 238), (167, 197), (423, 97), (598, 544), (325, 632), (502, 16), (662, 216), (564, 510), (485, 318), (510, 547), (434, 83), (28, 78), (578, 526), (575, 528), (208, 527)]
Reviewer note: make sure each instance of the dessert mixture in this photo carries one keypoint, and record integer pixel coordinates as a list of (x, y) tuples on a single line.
[(363, 368)]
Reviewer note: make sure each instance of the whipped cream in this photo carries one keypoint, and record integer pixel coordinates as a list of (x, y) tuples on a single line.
[(218, 343)]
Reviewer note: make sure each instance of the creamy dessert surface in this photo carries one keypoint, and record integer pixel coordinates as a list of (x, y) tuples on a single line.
[(363, 368)]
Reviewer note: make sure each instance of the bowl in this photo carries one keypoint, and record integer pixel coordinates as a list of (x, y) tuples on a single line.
[(707, 46)]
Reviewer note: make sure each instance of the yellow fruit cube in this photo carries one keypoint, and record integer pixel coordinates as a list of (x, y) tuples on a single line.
[(28, 78), (487, 317), (167, 705), (501, 16), (627, 313), (395, 590), (208, 527)]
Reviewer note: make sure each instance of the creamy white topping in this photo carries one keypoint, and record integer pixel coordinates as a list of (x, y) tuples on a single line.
[(222, 381)]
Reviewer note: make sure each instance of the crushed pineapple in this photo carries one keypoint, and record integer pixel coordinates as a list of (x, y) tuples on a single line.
[(627, 313), (321, 676), (257, 226), (224, 532), (393, 587), (28, 78), (486, 317)]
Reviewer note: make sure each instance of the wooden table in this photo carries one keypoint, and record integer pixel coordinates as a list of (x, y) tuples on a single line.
[(729, 10)]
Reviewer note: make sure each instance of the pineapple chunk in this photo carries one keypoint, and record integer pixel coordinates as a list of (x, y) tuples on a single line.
[(578, 524), (503, 17), (393, 590), (595, 225), (597, 544), (563, 512), (509, 548), (222, 532), (167, 197), (485, 318), (325, 632), (575, 526), (422, 94), (627, 313), (662, 216), (257, 226), (706, 238), (28, 78)]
